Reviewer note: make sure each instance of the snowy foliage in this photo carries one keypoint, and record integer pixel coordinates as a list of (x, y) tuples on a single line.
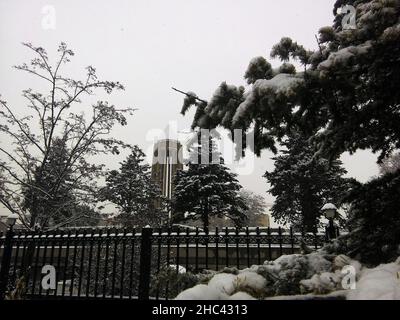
[(259, 68), (266, 94), (346, 90), (318, 275)]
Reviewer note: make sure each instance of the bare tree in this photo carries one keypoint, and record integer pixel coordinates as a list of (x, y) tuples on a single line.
[(256, 207), (28, 180)]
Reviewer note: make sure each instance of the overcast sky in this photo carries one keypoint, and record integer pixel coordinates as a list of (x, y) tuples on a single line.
[(150, 46)]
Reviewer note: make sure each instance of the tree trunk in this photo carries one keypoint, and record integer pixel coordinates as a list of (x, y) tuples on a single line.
[(205, 216)]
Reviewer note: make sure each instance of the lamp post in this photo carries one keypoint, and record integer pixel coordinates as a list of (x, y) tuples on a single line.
[(330, 212)]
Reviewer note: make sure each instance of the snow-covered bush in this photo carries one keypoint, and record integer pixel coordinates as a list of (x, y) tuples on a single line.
[(175, 282), (285, 273), (223, 286), (279, 277), (318, 275)]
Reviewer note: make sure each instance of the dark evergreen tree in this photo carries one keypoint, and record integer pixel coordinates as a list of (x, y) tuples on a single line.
[(303, 182), (207, 190), (133, 191), (374, 220)]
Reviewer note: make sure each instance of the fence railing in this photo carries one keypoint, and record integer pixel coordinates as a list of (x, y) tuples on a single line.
[(134, 264)]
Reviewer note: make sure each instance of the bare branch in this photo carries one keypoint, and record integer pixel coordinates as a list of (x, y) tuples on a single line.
[(190, 95), (18, 122)]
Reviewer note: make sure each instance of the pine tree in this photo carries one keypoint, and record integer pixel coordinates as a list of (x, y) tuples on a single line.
[(302, 183), (374, 220), (207, 190), (133, 191)]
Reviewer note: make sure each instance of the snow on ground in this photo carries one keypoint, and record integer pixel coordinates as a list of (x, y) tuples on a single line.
[(317, 275), (225, 286), (247, 280), (202, 292), (223, 282), (241, 296), (380, 283)]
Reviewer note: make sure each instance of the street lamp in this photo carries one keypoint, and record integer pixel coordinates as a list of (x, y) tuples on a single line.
[(11, 219), (330, 212)]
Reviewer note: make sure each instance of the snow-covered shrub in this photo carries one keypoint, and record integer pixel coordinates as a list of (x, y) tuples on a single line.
[(223, 282), (326, 282), (176, 282), (241, 296), (285, 273), (251, 283), (279, 277), (202, 292), (242, 286), (314, 276), (220, 287), (322, 283)]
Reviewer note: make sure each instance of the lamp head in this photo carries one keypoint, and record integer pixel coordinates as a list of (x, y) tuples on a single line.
[(329, 210), (11, 219)]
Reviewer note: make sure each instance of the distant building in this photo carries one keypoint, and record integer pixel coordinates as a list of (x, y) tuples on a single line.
[(3, 227), (167, 160), (263, 220)]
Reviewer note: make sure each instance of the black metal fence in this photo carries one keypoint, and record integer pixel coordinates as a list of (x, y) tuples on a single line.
[(134, 264)]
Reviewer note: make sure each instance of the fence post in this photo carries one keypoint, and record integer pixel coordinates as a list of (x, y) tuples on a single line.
[(5, 263), (145, 264)]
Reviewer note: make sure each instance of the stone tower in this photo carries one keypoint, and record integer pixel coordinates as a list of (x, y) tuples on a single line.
[(167, 160)]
